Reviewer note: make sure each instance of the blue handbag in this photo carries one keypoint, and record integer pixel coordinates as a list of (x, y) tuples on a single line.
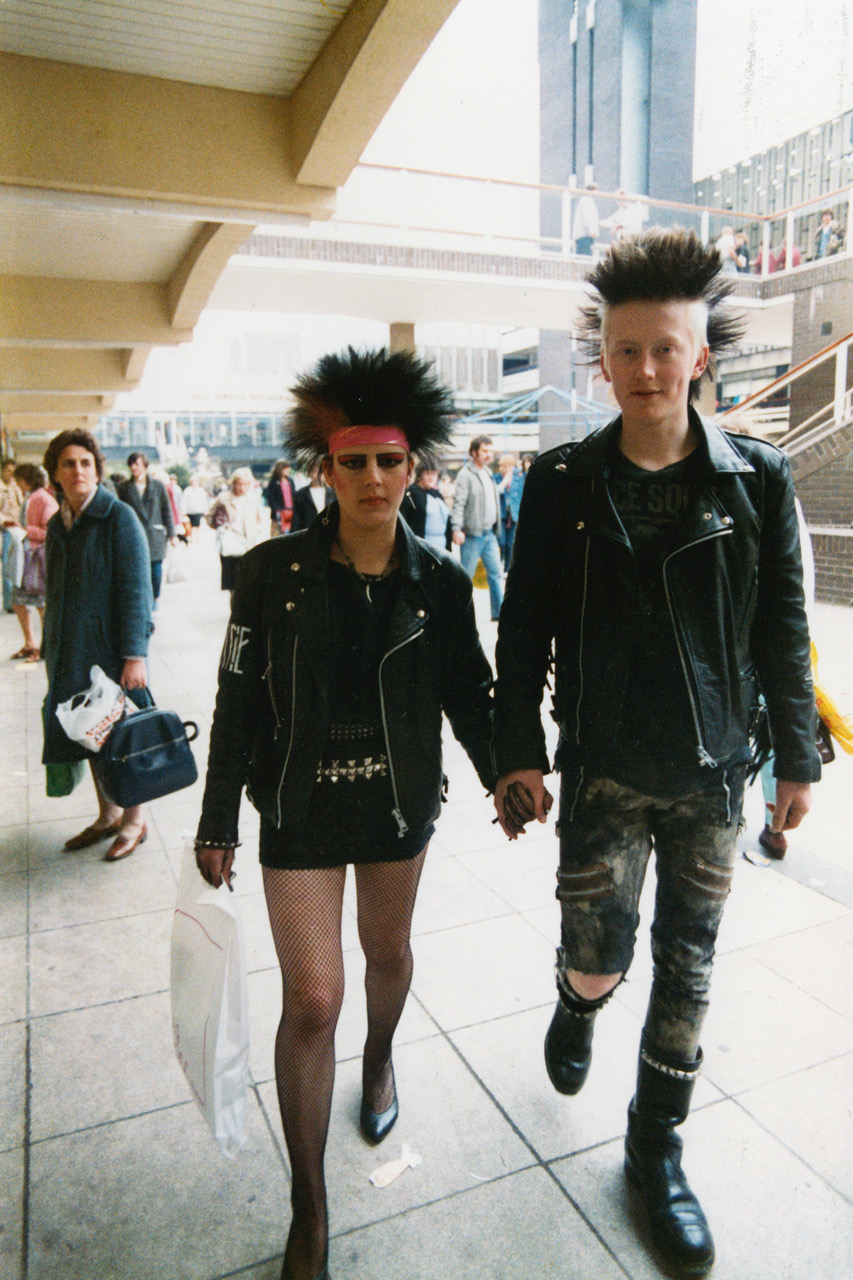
[(147, 755)]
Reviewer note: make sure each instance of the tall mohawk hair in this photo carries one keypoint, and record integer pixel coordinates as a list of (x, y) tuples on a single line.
[(377, 388), (661, 266)]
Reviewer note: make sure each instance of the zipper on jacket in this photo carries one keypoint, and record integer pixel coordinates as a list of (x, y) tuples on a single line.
[(705, 758), (402, 826), (580, 643), (728, 792), (292, 731), (576, 795), (270, 686)]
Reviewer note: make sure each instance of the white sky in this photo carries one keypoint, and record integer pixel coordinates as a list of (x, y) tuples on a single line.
[(766, 70)]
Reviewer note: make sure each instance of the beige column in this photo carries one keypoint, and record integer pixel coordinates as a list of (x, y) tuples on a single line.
[(401, 336)]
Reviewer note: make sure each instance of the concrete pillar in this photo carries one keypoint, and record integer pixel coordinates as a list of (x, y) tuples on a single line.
[(401, 336)]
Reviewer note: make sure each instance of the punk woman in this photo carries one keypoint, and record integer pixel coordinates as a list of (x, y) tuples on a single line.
[(346, 643)]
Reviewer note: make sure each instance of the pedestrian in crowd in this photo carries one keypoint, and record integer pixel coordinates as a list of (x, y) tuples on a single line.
[(98, 612), (11, 500), (149, 499), (194, 504), (661, 557), (475, 516), (173, 492), (742, 252), (526, 463), (830, 235), (347, 640), (727, 250), (38, 506), (239, 524), (424, 509), (585, 227), (446, 487), (628, 218), (280, 493), (311, 499), (510, 489)]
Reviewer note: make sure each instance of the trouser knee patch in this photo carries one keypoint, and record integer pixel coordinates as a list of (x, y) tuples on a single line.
[(711, 881), (590, 884)]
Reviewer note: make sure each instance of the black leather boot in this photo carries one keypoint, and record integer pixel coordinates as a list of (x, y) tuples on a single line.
[(679, 1228), (568, 1041)]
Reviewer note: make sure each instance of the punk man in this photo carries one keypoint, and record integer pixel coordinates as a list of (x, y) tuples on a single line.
[(657, 566)]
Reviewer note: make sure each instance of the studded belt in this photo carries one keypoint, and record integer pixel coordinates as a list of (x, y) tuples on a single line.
[(367, 767)]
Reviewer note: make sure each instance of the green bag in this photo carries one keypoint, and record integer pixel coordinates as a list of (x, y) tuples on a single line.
[(61, 779)]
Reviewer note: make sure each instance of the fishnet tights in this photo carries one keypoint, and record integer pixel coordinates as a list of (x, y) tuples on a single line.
[(305, 909)]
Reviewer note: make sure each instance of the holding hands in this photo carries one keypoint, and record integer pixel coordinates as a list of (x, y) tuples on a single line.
[(520, 797)]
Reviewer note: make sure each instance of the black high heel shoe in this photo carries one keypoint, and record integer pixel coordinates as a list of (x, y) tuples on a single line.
[(287, 1274), (376, 1125)]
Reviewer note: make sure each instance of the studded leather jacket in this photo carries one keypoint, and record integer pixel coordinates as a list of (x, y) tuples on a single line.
[(272, 709), (734, 593)]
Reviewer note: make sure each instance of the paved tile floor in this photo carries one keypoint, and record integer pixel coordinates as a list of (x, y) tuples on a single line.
[(108, 1171)]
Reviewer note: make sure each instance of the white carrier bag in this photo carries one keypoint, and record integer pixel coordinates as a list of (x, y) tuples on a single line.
[(210, 1007), (89, 716)]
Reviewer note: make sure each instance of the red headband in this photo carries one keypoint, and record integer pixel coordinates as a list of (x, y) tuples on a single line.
[(351, 437)]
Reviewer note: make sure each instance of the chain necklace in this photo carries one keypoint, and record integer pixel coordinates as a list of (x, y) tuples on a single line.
[(369, 578)]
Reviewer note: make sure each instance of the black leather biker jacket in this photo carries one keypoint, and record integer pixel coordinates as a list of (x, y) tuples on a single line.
[(272, 708), (733, 587)]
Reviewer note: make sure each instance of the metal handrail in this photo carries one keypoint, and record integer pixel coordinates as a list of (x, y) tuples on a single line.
[(805, 366), (831, 197), (814, 421), (797, 440)]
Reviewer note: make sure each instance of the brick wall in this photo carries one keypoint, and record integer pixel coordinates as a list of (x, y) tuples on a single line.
[(833, 557), (823, 479), (823, 313)]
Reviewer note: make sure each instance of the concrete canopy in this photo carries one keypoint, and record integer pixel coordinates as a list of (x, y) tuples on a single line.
[(138, 151)]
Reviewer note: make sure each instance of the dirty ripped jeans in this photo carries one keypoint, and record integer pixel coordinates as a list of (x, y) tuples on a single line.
[(607, 832)]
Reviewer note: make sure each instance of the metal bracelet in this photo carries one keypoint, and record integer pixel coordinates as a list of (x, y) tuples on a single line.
[(216, 844)]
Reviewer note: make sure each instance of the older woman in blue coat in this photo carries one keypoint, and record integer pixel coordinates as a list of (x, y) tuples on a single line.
[(97, 612)]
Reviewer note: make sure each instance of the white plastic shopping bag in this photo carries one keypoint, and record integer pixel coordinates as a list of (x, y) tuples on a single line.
[(88, 717), (210, 1007), (176, 569)]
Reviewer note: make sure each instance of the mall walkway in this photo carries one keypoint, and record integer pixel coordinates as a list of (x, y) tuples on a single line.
[(108, 1171)]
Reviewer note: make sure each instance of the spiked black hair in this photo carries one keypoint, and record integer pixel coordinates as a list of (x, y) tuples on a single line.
[(661, 266), (376, 388)]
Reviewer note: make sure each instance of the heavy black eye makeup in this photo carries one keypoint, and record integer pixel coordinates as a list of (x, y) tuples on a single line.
[(358, 461)]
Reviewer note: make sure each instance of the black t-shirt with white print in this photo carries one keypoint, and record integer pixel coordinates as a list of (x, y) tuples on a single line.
[(654, 750)]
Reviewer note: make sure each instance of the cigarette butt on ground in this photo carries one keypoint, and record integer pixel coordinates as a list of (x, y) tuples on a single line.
[(386, 1173)]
